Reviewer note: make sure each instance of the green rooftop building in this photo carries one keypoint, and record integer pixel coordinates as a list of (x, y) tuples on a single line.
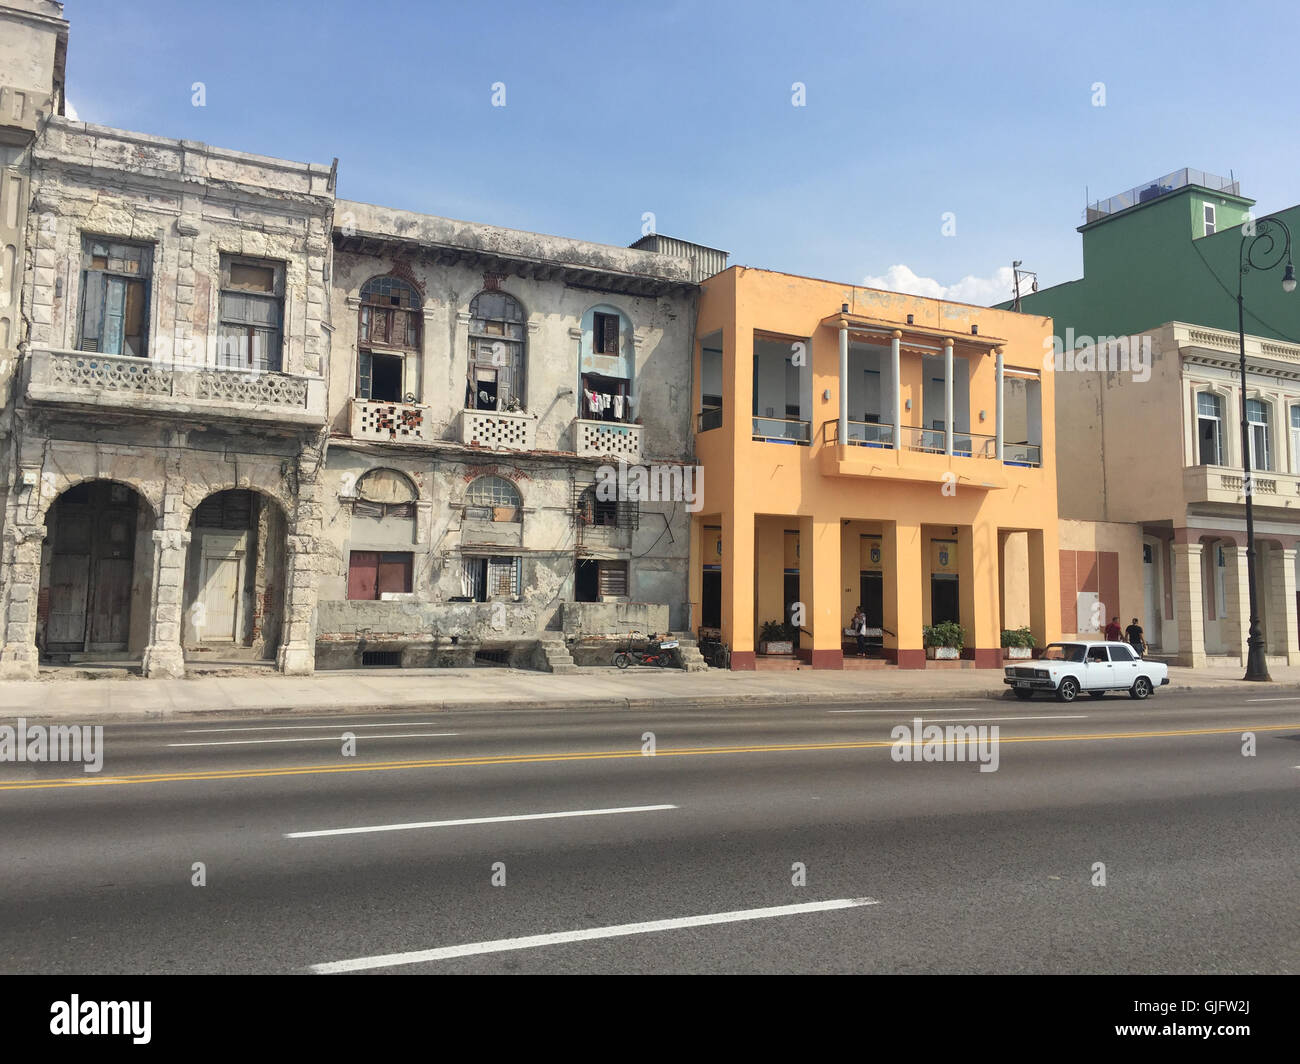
[(1168, 250)]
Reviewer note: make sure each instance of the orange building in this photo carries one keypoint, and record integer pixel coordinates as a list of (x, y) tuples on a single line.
[(866, 448)]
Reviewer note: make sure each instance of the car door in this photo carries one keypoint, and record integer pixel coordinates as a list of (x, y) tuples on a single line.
[(1097, 670), (1126, 666)]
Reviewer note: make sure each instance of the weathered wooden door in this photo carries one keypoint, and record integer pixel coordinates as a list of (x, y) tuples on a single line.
[(221, 585)]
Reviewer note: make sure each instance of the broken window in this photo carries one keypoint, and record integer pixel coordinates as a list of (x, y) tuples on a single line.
[(595, 581), (597, 511), (250, 333), (492, 499), (389, 340), (605, 334), (496, 353), (372, 574), (115, 297), (488, 578)]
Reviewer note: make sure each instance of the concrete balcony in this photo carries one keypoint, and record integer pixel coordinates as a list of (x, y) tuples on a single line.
[(922, 459), (607, 439), (497, 430), (386, 422), (1224, 485), (122, 383)]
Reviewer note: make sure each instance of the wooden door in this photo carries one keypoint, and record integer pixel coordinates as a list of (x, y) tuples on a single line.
[(219, 581)]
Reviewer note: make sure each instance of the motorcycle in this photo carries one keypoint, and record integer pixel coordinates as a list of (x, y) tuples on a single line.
[(663, 653)]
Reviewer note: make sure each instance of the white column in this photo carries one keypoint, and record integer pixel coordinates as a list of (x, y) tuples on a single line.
[(947, 397), (1237, 592), (896, 388), (1189, 608), (998, 386), (844, 383)]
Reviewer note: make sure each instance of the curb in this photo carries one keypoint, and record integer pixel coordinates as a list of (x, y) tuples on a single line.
[(597, 704)]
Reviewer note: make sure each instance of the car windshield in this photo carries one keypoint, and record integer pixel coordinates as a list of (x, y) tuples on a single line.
[(1063, 652)]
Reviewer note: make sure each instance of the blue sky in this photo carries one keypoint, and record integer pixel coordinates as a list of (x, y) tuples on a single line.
[(913, 109)]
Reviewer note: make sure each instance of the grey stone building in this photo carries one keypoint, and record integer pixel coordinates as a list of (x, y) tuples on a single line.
[(480, 381), (245, 421)]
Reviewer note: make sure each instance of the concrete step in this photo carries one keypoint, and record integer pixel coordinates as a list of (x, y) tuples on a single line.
[(556, 657)]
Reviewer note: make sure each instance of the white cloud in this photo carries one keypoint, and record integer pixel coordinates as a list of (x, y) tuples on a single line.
[(982, 291)]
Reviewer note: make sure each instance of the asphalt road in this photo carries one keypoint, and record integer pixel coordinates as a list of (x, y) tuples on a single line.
[(910, 866)]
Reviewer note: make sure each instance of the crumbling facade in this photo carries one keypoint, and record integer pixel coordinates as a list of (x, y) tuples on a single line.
[(482, 381), (247, 422)]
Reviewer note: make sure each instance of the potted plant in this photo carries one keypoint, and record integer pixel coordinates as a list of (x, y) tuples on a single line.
[(1017, 643), (775, 637), (944, 641)]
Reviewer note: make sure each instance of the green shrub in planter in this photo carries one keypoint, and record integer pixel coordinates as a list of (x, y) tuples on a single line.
[(946, 634), (1017, 637)]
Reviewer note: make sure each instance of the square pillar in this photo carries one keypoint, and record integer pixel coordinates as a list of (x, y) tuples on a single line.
[(947, 397), (738, 588), (1189, 604), (1284, 638), (1237, 594), (1044, 586), (820, 556), (977, 564), (904, 593), (19, 659), (163, 656)]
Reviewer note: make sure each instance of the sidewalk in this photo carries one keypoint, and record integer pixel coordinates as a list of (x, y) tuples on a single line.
[(441, 690)]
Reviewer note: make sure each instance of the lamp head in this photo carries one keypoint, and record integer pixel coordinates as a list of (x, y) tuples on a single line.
[(1288, 278)]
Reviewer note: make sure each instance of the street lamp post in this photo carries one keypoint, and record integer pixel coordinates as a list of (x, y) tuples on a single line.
[(1260, 249)]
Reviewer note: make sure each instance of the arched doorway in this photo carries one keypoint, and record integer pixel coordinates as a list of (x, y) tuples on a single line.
[(235, 578), (96, 572)]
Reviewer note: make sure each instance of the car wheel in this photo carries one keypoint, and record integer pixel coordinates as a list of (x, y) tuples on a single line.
[(1068, 691), (1097, 694), (1141, 688), (622, 661), (1022, 694)]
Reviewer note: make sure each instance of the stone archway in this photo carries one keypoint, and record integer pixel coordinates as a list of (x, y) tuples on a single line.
[(236, 573), (96, 574)]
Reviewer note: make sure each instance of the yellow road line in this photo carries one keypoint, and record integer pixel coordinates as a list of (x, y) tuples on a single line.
[(596, 755)]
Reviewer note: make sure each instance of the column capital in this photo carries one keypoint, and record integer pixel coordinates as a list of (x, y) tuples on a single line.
[(897, 334)]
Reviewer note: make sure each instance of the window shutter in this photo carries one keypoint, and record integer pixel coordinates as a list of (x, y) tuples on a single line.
[(92, 311), (613, 578), (363, 376), (114, 310), (394, 572), (363, 575)]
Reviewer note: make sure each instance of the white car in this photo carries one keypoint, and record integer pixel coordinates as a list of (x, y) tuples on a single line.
[(1067, 669)]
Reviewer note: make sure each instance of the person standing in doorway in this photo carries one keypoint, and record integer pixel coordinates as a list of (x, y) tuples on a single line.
[(1134, 634), (1113, 631), (859, 628)]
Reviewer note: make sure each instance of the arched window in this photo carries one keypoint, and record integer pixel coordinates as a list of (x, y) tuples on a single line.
[(493, 499), (607, 365), (385, 493), (496, 353), (388, 340)]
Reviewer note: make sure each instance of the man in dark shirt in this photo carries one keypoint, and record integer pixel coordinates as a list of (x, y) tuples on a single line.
[(1134, 634)]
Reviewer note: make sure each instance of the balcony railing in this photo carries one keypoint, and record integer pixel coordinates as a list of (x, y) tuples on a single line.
[(862, 434), (126, 382), (781, 430), (934, 441), (606, 439), (1022, 454), (710, 419), (388, 422), (498, 430)]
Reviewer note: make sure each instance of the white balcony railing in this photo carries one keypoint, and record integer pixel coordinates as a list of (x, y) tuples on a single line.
[(606, 439), (498, 430), (386, 422), (81, 378)]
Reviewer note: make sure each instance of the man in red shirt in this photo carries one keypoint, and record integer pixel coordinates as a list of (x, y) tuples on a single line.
[(1113, 631)]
